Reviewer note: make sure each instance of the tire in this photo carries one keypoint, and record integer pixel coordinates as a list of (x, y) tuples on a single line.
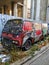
[(41, 38), (27, 45), (33, 41)]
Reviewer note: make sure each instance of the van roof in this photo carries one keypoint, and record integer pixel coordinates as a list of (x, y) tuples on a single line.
[(31, 20)]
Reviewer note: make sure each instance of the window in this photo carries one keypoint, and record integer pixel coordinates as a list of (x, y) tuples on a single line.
[(13, 26)]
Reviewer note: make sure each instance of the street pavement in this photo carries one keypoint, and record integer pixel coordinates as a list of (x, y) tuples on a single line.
[(41, 60)]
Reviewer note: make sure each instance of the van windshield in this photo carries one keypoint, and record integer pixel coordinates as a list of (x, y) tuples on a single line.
[(12, 23), (13, 26)]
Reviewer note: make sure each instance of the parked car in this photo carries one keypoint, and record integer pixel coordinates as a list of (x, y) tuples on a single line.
[(20, 33)]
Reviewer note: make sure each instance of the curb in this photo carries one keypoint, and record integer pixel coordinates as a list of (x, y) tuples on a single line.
[(36, 55), (39, 53)]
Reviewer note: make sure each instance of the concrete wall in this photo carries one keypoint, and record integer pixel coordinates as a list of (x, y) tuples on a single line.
[(8, 4), (43, 9), (38, 10), (48, 2)]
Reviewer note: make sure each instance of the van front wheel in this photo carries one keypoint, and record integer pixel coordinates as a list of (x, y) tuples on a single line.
[(27, 45)]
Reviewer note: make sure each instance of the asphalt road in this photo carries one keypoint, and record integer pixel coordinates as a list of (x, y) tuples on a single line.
[(42, 60)]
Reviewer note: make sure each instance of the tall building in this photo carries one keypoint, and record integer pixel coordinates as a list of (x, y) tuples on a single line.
[(39, 9)]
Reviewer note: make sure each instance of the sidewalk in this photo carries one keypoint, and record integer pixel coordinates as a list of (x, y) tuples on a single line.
[(36, 55)]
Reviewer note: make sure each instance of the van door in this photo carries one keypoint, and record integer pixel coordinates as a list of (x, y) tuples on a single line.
[(38, 31)]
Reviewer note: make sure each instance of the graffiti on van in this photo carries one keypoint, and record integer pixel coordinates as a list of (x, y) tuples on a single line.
[(3, 21)]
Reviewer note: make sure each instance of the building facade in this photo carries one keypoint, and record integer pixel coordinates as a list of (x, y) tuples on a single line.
[(34, 9), (39, 9), (13, 7)]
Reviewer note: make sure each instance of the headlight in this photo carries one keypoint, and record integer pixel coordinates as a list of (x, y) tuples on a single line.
[(15, 42)]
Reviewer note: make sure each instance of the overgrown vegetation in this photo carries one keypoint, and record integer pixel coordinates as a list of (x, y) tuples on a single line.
[(17, 54), (7, 63), (33, 49)]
